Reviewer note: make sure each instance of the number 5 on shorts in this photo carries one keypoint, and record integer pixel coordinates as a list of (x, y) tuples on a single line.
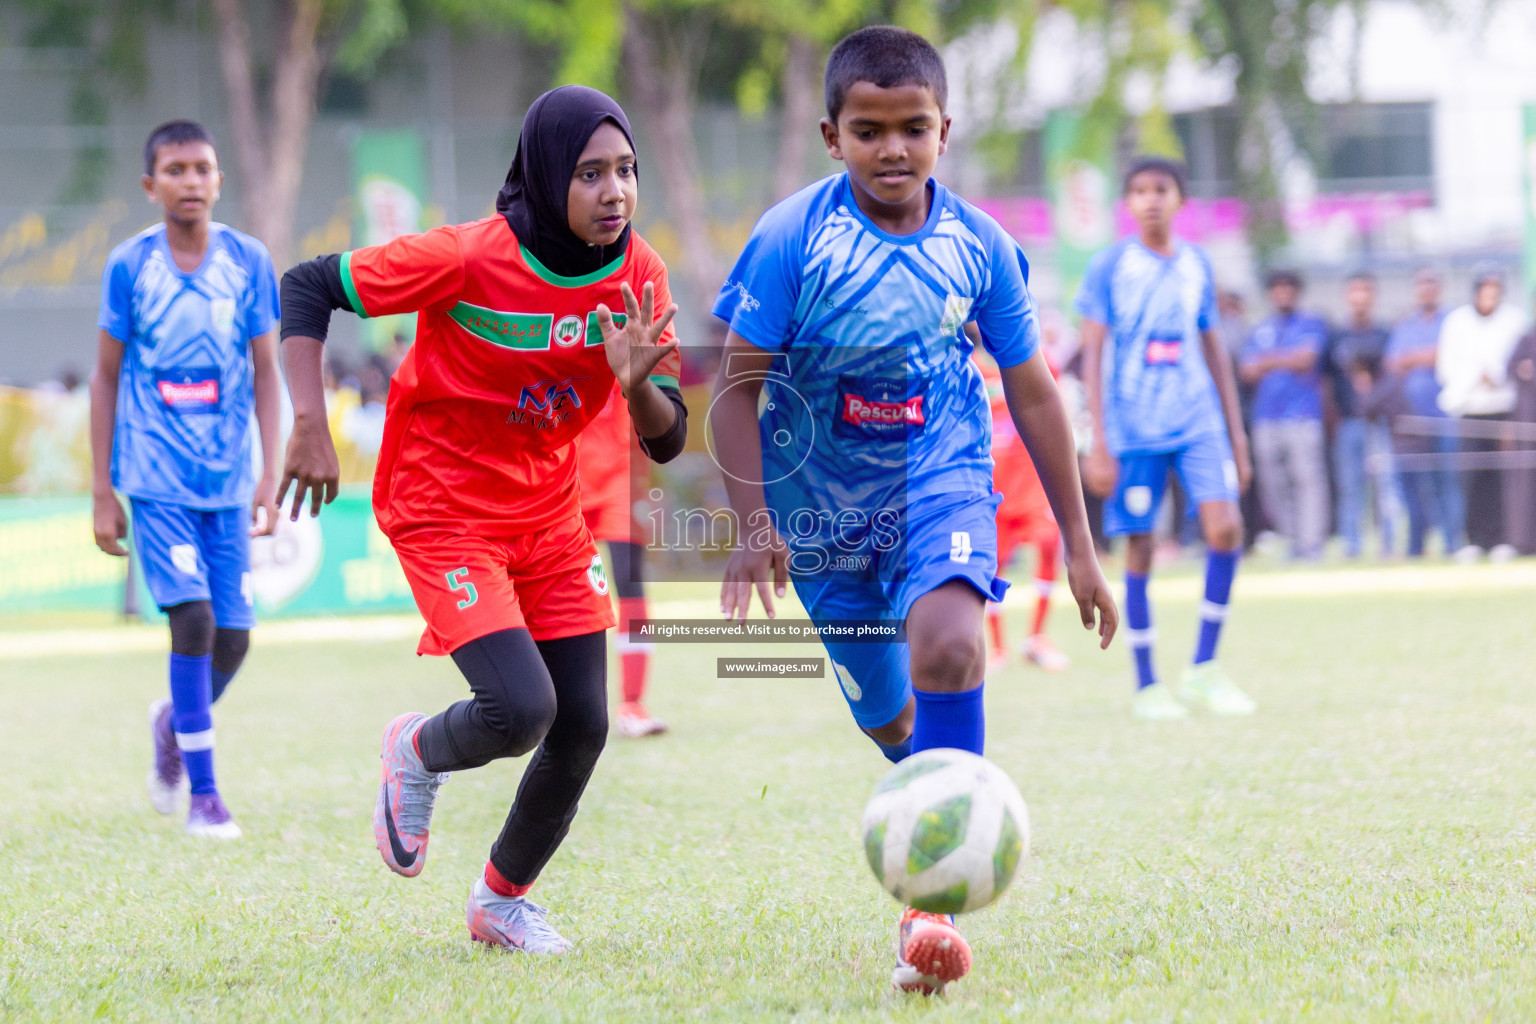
[(457, 583)]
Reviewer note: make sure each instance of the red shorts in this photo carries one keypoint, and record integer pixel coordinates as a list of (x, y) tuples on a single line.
[(1015, 531), (551, 583), (609, 514)]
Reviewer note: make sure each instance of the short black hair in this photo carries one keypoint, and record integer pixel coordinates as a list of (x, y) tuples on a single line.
[(169, 134), (1362, 275), (885, 56), (1279, 277), (1162, 165)]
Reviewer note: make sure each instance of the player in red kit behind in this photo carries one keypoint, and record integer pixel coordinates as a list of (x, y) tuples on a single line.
[(516, 352), (610, 486), (1023, 517)]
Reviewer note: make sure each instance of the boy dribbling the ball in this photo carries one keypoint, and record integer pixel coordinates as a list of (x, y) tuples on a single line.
[(848, 308)]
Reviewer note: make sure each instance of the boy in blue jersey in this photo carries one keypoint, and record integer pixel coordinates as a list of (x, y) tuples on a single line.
[(186, 349), (867, 478), (1161, 393)]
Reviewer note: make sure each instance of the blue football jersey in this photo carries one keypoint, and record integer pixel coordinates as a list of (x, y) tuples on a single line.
[(873, 399), (186, 392), (1158, 391)]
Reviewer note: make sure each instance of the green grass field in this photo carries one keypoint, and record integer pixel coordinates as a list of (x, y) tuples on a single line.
[(1361, 850)]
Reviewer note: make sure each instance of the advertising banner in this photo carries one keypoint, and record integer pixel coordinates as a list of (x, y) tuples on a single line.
[(389, 189), (339, 563), (1081, 181)]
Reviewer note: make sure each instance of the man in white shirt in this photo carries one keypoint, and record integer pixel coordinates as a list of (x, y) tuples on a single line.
[(1471, 364)]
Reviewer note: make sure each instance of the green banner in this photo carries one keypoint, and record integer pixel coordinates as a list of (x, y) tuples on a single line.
[(1080, 176), (339, 563), (388, 189), (1528, 151)]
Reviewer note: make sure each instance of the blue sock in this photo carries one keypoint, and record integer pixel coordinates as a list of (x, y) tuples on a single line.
[(949, 720), (895, 752), (191, 690), (220, 681), (1138, 628), (1220, 568)]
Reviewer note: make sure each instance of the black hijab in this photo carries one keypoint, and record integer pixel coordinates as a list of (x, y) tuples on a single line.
[(555, 131)]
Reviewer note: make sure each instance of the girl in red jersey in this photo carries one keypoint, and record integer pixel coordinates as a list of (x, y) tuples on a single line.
[(516, 352)]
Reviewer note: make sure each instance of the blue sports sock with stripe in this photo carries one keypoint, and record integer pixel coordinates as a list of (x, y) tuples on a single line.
[(949, 720), (1138, 628), (1220, 568), (896, 752), (191, 695), (220, 682)]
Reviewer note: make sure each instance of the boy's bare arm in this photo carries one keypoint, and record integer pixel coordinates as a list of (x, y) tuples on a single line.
[(1231, 409), (1042, 422), (310, 462), (269, 407), (739, 453), (1101, 467), (109, 523)]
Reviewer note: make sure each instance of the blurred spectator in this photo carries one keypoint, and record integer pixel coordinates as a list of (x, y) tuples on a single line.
[(1280, 363), (1433, 496), (1476, 342), (1362, 448), (1520, 483), (1231, 321)]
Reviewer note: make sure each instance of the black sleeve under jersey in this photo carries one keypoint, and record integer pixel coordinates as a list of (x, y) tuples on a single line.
[(310, 291), (669, 445)]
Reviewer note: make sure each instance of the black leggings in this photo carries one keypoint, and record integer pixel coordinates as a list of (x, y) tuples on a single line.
[(549, 694), (628, 560)]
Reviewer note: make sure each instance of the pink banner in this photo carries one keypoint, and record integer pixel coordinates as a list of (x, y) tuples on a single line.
[(1028, 219)]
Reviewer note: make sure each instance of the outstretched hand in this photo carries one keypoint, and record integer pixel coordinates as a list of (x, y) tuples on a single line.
[(634, 347)]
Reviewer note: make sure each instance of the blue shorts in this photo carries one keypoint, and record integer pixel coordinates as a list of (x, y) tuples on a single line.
[(1205, 468), (946, 537), (191, 554)]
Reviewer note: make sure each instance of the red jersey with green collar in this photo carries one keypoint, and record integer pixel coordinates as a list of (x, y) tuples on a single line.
[(507, 369)]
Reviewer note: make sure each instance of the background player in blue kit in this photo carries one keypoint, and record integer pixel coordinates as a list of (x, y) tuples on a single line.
[(186, 348), (1161, 394), (868, 477)]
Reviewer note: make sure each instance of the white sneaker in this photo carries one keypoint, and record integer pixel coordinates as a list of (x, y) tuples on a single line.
[(1468, 555), (1040, 652), (636, 723), (167, 777), (1156, 704), (1501, 553)]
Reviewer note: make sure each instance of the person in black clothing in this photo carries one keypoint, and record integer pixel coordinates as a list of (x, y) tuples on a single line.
[(1361, 447)]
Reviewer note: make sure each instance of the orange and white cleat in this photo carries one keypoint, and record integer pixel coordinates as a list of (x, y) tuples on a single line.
[(931, 953), (635, 721), (1040, 652), (403, 812)]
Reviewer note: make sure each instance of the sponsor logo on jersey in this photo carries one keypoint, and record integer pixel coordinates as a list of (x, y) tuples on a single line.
[(1164, 351), (190, 389), (878, 408), (569, 331), (546, 403), (523, 332), (860, 410)]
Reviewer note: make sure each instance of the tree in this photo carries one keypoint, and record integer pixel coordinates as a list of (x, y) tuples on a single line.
[(271, 140)]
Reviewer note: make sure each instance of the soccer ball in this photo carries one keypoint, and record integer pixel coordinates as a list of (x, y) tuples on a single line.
[(945, 831)]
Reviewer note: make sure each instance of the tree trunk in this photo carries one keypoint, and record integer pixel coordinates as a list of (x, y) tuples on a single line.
[(295, 80), (662, 69), (796, 116), (244, 119), (271, 161)]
